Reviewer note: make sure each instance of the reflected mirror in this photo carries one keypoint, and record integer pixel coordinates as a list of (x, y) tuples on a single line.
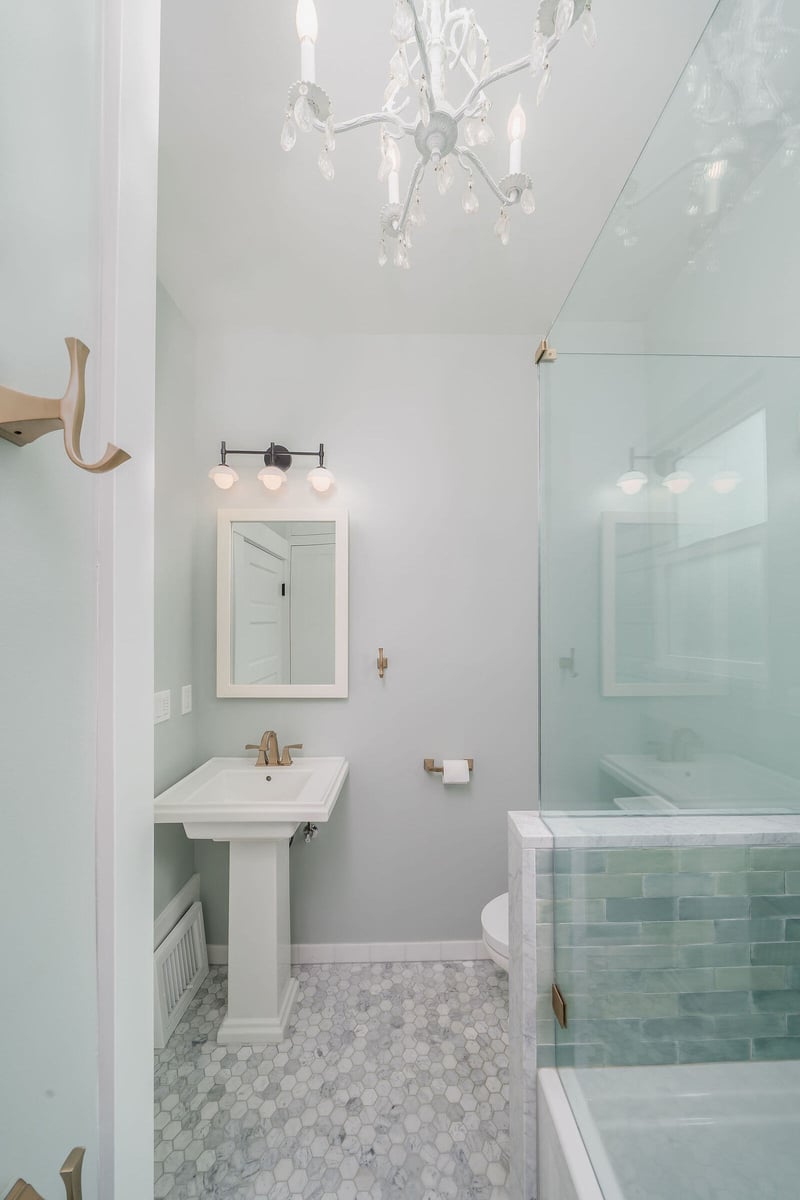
[(281, 603)]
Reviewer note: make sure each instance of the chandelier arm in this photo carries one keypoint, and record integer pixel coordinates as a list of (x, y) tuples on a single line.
[(416, 178), (380, 118), (492, 77), (422, 48), (462, 152)]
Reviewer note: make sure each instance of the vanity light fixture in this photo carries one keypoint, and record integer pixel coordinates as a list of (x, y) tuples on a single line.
[(437, 46), (277, 461)]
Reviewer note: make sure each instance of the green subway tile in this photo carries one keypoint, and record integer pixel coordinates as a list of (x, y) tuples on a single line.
[(775, 858), (793, 931), (678, 1029), (544, 862), (641, 861), (713, 908), (633, 958), (750, 883), (678, 885), (645, 1054), (736, 979), (714, 1050), (713, 858), (775, 906), (589, 935), (610, 1033), (776, 1049), (581, 1056), (783, 1001), (712, 1003), (544, 887), (770, 930), (728, 954), (545, 1055), (641, 910), (569, 912), (793, 882), (793, 978), (603, 886), (680, 933), (579, 862), (793, 1025), (621, 1004), (766, 954), (750, 1025), (700, 980)]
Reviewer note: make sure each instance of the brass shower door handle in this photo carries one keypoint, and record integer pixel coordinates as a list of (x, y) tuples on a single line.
[(70, 1173)]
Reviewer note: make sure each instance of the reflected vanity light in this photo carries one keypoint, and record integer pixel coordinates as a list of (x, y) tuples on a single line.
[(678, 482), (665, 463), (724, 482), (277, 461), (632, 482)]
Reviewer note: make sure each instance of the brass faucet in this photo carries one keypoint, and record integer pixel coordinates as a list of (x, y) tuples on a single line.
[(267, 748), (269, 753)]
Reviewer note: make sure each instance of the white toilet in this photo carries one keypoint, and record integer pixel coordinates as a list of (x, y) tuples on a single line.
[(494, 922)]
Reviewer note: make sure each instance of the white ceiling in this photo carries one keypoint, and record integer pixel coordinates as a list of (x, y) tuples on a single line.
[(249, 235)]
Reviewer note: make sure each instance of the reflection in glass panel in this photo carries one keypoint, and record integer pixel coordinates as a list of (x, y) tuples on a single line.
[(282, 602)]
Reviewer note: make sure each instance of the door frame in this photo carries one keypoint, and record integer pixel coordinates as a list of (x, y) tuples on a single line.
[(124, 637)]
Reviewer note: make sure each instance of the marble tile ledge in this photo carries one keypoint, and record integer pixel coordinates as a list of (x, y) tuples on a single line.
[(533, 831)]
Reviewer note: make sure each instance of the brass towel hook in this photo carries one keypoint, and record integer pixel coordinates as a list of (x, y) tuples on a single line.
[(383, 662), (24, 418)]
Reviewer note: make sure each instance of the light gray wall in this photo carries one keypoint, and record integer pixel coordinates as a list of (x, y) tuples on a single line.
[(433, 443), (176, 739)]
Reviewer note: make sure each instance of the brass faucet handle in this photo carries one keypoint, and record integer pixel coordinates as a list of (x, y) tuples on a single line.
[(286, 758)]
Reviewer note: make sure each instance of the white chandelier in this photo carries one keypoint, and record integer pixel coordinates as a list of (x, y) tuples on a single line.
[(436, 46)]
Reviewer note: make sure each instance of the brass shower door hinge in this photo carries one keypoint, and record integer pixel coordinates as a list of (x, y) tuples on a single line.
[(559, 1006), (70, 1173), (545, 353)]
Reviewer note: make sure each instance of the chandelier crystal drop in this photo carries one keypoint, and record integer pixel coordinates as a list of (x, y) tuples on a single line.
[(437, 101)]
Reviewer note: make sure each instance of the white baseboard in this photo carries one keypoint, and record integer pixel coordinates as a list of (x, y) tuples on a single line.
[(168, 918), (373, 952)]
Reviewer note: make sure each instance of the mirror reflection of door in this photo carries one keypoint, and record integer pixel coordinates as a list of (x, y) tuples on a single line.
[(283, 602), (260, 631)]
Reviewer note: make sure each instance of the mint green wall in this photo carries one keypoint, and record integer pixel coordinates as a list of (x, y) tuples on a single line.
[(49, 190), (176, 739)]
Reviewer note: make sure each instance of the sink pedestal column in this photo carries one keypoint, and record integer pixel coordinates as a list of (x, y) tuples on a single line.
[(261, 990)]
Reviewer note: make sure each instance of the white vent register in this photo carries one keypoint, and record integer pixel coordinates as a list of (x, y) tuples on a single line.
[(181, 965)]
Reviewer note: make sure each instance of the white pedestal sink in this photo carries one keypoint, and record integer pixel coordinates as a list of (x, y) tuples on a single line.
[(257, 810)]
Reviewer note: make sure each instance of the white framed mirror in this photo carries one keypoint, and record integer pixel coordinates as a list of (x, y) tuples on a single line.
[(282, 603)]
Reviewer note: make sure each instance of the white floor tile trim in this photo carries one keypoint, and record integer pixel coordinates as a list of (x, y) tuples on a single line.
[(393, 1085)]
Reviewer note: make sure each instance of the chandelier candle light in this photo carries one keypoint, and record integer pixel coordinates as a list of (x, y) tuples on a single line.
[(436, 44)]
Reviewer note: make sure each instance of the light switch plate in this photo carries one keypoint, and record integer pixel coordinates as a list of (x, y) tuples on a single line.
[(161, 708), (186, 699)]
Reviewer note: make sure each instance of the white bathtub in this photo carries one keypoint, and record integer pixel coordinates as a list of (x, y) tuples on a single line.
[(727, 1131)]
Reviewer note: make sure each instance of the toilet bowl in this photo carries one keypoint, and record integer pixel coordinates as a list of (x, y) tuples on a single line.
[(494, 922)]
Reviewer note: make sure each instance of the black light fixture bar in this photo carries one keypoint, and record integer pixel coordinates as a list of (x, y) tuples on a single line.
[(275, 455)]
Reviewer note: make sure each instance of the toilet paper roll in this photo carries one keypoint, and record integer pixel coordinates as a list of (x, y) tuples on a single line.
[(455, 770)]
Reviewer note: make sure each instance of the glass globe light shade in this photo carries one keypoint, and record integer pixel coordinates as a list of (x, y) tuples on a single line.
[(678, 482), (724, 482), (632, 482), (321, 479), (273, 478), (224, 477)]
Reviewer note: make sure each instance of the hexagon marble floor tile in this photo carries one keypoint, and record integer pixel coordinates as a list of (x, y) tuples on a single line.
[(392, 1084)]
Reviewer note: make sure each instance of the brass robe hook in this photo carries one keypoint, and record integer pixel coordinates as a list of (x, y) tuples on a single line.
[(24, 418)]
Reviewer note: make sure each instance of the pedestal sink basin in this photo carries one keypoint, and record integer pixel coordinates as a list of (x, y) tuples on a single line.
[(257, 810)]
